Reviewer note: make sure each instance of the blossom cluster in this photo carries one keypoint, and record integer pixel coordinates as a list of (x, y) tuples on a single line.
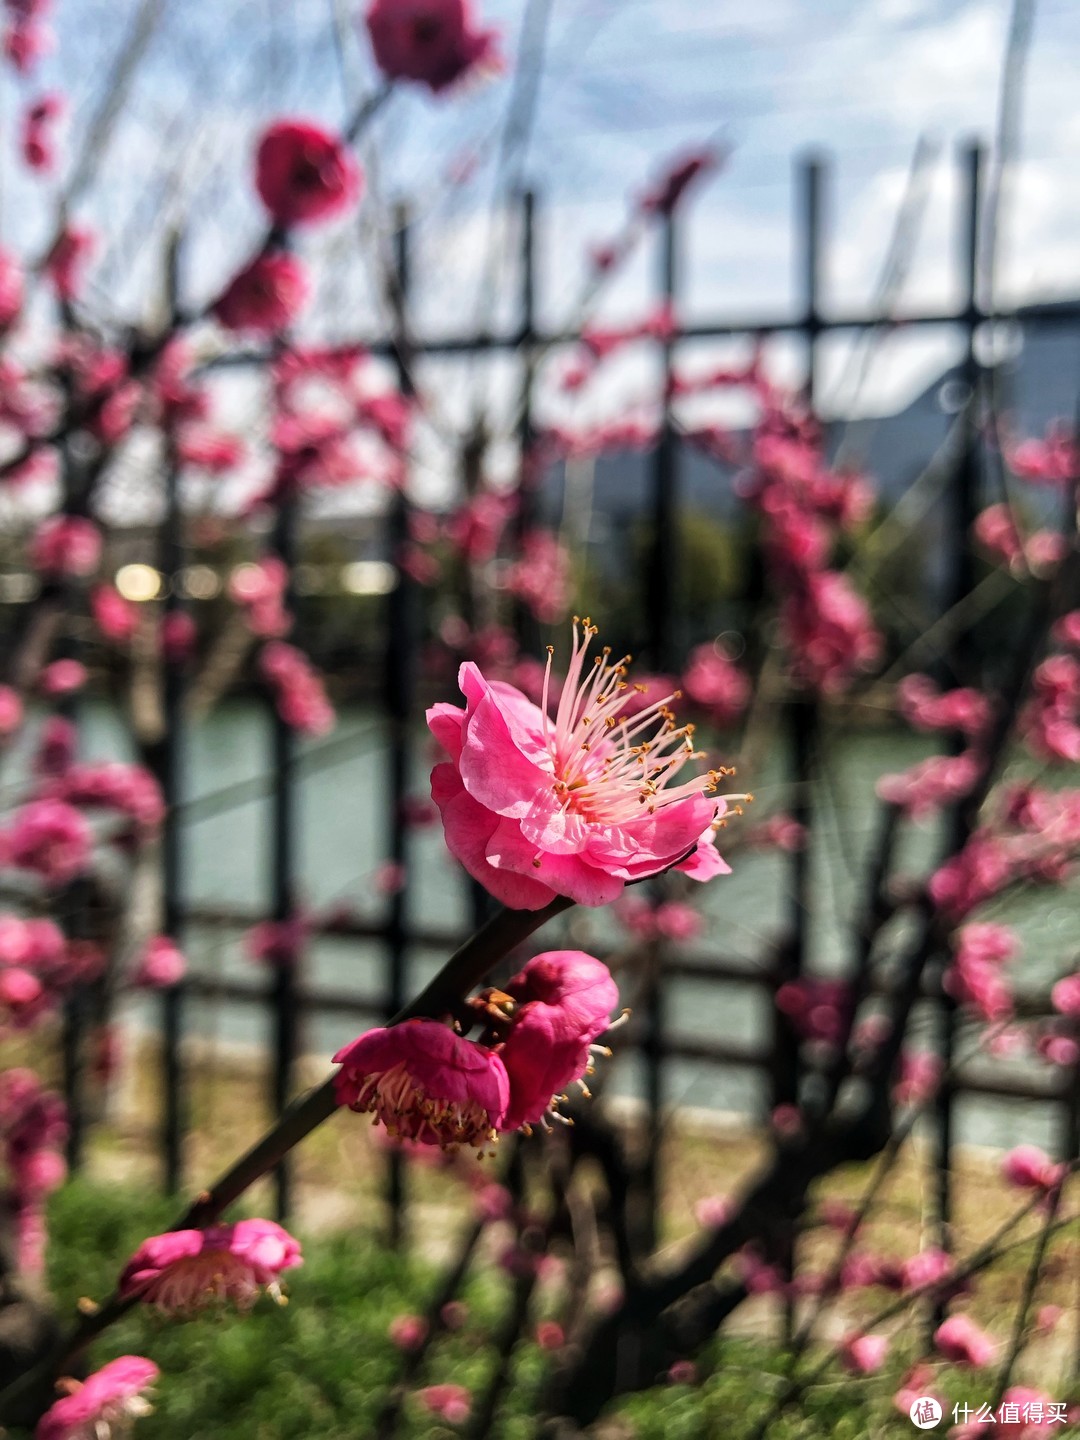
[(427, 1083)]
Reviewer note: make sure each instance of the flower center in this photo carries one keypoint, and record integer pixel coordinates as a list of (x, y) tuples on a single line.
[(397, 1098), (203, 1279), (609, 766)]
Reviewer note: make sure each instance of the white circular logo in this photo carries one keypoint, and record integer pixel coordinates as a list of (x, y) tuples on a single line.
[(925, 1412)]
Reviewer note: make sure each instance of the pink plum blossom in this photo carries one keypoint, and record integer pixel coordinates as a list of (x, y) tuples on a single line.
[(450, 1402), (66, 545), (961, 1341), (304, 174), (67, 259), (432, 42), (184, 1271), (62, 677), (116, 618), (161, 964), (929, 1267), (864, 1354), (564, 1002), (50, 838), (577, 806), (715, 684), (266, 296), (1030, 1168), (11, 711), (408, 1332), (104, 1405), (425, 1083), (1065, 996), (926, 708), (11, 291)]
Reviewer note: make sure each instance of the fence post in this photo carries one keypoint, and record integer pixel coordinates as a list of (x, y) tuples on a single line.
[(170, 762), (801, 717), (284, 868), (398, 691), (661, 592), (528, 630), (961, 510)]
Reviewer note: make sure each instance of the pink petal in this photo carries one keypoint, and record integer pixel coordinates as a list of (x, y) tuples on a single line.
[(467, 828), (569, 875)]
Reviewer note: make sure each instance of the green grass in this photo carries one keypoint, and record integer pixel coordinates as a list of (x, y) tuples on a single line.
[(319, 1367)]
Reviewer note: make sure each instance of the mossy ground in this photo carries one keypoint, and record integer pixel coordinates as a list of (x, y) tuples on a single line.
[(320, 1366)]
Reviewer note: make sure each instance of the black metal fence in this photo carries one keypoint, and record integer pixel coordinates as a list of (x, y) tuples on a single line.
[(287, 997)]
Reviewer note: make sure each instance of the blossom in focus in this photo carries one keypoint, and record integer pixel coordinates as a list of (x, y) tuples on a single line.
[(104, 1405), (425, 1083), (304, 174), (564, 1000), (266, 296), (432, 42), (184, 1271), (575, 806), (961, 1341)]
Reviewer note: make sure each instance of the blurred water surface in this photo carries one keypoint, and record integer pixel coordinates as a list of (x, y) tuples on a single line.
[(343, 835)]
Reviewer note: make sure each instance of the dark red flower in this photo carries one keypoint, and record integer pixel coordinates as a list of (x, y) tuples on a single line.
[(434, 42), (266, 295), (304, 174)]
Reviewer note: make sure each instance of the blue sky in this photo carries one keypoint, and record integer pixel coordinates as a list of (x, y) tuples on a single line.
[(625, 84)]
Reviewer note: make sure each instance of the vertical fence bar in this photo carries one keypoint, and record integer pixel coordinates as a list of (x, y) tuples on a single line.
[(398, 691), (661, 593), (528, 631), (170, 775), (962, 502), (800, 717), (283, 869)]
